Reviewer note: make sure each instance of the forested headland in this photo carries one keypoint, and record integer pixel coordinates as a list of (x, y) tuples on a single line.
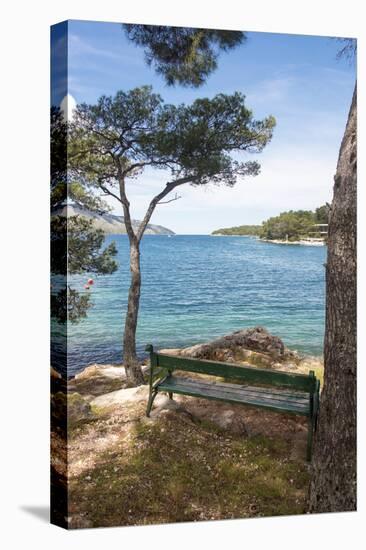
[(292, 225)]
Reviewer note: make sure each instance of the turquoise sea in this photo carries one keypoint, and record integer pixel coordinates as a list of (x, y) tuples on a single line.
[(196, 288)]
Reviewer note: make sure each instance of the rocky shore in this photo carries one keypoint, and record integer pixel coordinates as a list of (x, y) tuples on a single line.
[(303, 242), (118, 459)]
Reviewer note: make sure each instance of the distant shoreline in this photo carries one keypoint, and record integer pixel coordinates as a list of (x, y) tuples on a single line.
[(221, 235), (301, 242)]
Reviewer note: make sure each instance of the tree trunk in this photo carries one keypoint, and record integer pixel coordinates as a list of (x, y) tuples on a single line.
[(333, 484), (130, 361)]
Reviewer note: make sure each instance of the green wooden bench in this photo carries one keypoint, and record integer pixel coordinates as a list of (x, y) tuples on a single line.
[(269, 389)]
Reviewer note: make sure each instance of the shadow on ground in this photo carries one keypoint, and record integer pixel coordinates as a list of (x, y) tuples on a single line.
[(40, 512)]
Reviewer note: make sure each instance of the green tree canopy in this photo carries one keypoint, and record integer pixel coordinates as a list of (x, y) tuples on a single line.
[(76, 247), (119, 137), (239, 230), (84, 253), (183, 55), (292, 225), (322, 214)]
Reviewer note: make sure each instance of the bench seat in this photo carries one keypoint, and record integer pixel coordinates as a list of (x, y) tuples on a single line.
[(267, 398), (274, 390)]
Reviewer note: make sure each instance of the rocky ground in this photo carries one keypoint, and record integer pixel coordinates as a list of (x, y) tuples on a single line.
[(194, 459)]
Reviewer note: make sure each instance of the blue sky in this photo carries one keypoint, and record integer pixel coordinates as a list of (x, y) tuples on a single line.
[(295, 78)]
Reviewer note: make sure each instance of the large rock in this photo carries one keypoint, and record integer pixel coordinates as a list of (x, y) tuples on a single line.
[(229, 420), (107, 371), (163, 406), (223, 415), (121, 397), (255, 345), (78, 408), (99, 379), (71, 406)]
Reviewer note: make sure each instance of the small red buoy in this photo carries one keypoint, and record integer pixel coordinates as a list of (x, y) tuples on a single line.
[(86, 287), (90, 282)]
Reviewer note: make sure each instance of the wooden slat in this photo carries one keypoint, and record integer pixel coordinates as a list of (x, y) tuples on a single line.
[(242, 393), (247, 396), (229, 370), (260, 393), (275, 390), (250, 402)]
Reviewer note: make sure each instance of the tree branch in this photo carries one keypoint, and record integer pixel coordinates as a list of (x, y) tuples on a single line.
[(162, 162), (171, 200), (110, 193), (156, 200)]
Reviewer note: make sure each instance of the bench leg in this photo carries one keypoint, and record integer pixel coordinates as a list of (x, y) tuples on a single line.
[(170, 395), (150, 402), (310, 439)]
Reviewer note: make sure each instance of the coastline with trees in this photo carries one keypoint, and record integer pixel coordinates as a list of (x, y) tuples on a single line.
[(305, 227)]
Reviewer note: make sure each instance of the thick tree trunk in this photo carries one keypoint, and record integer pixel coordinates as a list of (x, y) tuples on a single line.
[(130, 361), (333, 484)]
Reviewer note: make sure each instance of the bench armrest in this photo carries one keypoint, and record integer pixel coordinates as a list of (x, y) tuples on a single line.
[(153, 363)]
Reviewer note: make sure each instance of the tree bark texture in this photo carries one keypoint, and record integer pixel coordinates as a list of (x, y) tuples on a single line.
[(130, 361), (333, 483)]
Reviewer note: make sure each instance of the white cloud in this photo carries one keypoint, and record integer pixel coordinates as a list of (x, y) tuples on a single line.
[(271, 91), (80, 47), (294, 178)]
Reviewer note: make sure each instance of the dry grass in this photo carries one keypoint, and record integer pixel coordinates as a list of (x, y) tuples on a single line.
[(128, 470)]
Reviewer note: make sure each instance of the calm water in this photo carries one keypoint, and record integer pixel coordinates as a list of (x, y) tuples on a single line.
[(196, 288)]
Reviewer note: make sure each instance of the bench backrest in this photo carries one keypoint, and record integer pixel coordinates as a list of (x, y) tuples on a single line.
[(253, 375)]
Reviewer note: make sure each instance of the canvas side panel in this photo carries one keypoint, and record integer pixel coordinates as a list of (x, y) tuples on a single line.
[(58, 131)]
